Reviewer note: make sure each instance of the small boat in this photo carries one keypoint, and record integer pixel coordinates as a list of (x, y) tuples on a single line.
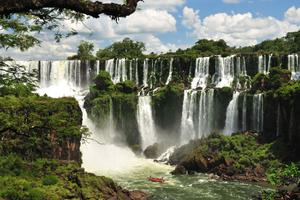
[(156, 180)]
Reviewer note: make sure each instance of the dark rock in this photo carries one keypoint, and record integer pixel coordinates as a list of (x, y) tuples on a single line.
[(179, 170)]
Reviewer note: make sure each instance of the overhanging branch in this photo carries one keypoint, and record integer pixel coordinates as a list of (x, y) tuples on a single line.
[(94, 9)]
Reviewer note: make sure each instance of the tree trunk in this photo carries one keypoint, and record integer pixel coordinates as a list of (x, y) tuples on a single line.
[(94, 9)]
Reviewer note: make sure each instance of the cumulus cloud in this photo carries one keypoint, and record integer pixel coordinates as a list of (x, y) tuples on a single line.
[(236, 29), (142, 22), (231, 1), (292, 15)]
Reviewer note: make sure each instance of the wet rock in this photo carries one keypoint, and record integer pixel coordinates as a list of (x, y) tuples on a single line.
[(179, 170), (154, 151)]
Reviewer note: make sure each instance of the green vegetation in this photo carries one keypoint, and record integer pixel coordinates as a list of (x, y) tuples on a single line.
[(36, 126), (51, 179), (121, 98), (15, 80), (273, 81), (84, 52), (124, 49)]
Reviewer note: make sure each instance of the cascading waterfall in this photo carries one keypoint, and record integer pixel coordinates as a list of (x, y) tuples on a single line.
[(258, 112), (244, 111), (188, 131), (264, 64), (206, 111), (145, 72), (117, 69), (232, 115), (293, 66), (145, 120), (170, 72), (224, 71), (201, 73), (137, 72)]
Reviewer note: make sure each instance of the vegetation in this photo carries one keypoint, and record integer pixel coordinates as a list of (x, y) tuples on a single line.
[(124, 49), (121, 98), (51, 179), (84, 52)]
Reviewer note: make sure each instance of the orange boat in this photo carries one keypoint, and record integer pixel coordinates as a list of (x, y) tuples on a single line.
[(156, 180)]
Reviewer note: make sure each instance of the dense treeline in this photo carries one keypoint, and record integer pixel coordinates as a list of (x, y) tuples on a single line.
[(203, 47)]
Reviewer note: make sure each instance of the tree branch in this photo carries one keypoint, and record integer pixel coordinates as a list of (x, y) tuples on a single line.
[(94, 9)]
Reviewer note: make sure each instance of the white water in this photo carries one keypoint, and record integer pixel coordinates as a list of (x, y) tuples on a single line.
[(145, 72), (170, 72), (293, 66), (145, 121), (258, 112), (201, 73), (232, 118), (206, 110), (244, 119), (264, 63), (224, 71), (188, 131)]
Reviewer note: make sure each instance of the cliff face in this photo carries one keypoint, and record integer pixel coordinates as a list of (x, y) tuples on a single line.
[(40, 127)]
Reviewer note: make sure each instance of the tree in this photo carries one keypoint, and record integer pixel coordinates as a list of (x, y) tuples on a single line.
[(19, 18), (124, 49), (84, 52)]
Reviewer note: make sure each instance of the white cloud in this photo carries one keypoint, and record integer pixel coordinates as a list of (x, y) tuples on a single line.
[(143, 22), (231, 1), (190, 17), (169, 5), (236, 29), (292, 15)]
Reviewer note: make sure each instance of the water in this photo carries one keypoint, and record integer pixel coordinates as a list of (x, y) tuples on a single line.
[(201, 73), (188, 131), (224, 71), (60, 79), (258, 112), (264, 63), (293, 66), (145, 121), (170, 72), (232, 115), (183, 187)]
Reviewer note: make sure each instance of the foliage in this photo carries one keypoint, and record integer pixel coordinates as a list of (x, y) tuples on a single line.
[(50, 179), (288, 174), (124, 49), (289, 90), (32, 126), (103, 81), (84, 52), (16, 80)]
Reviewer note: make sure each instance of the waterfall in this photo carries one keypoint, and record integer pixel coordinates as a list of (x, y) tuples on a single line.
[(130, 71), (232, 116), (201, 73), (244, 119), (145, 121), (206, 113), (137, 72), (188, 131), (170, 72), (145, 72), (269, 63), (293, 66), (109, 67), (116, 69), (224, 71), (263, 65), (258, 112)]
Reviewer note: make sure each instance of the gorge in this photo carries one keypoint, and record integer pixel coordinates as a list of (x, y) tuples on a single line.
[(175, 100)]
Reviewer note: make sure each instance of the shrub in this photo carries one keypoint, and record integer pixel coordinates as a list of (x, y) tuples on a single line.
[(50, 180)]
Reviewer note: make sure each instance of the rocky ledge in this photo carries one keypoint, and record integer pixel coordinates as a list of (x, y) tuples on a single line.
[(241, 157)]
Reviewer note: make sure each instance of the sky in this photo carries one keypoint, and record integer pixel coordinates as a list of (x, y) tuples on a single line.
[(165, 25)]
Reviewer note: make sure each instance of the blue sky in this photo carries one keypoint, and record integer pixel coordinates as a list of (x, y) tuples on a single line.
[(171, 24)]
